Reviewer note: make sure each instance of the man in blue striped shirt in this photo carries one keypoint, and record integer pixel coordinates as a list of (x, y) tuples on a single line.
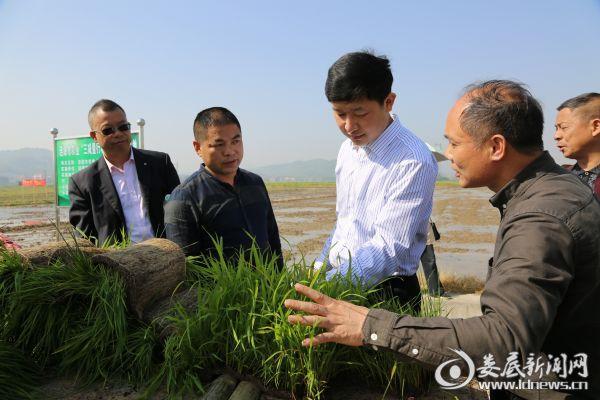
[(385, 177)]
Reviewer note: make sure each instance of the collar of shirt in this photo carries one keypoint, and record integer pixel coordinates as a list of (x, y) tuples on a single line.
[(543, 163), (205, 171), (387, 137), (113, 168), (594, 171)]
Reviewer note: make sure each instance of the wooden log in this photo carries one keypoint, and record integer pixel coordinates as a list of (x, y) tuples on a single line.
[(246, 390), (221, 388), (159, 313), (65, 250), (151, 270)]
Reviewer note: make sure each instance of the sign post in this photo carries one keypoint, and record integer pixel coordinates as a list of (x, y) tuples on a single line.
[(141, 122), (54, 133)]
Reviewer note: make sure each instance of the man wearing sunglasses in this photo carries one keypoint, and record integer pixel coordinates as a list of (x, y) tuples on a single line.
[(120, 195)]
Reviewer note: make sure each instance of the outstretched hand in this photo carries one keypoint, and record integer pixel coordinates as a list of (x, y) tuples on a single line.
[(341, 320)]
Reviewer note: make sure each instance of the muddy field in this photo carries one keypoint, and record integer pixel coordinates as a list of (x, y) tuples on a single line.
[(306, 215), (464, 217)]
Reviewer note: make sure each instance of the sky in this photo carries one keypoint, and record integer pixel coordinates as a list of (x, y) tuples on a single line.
[(267, 62)]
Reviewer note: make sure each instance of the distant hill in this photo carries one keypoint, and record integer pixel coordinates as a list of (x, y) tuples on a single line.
[(317, 170), (24, 163)]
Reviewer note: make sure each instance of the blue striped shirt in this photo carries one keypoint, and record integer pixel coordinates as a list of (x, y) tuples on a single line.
[(384, 200)]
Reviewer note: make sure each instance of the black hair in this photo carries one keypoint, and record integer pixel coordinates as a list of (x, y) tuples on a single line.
[(213, 116), (359, 75), (590, 102)]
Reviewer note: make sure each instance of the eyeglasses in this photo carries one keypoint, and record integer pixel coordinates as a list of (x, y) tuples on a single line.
[(109, 130)]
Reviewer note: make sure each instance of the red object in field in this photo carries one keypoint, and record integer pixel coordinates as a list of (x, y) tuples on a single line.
[(32, 222), (9, 244), (32, 182)]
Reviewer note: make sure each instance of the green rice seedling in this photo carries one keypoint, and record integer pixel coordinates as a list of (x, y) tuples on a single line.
[(11, 270), (118, 240), (139, 363), (18, 374), (382, 367), (179, 373), (240, 324), (375, 364), (73, 317), (238, 317)]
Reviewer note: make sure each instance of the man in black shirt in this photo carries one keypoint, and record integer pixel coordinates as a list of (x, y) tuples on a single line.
[(221, 200)]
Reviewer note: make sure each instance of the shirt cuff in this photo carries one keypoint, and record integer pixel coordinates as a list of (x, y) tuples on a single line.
[(424, 340), (378, 327), (342, 269)]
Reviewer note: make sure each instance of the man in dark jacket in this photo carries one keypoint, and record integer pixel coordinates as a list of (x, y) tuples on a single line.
[(121, 195), (540, 317), (578, 137), (221, 201)]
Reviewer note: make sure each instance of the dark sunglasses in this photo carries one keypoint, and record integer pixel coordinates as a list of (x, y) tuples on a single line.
[(111, 129)]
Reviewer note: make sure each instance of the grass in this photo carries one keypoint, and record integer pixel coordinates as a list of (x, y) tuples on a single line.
[(461, 284), (71, 318), (240, 323), (455, 284), (19, 376), (26, 195)]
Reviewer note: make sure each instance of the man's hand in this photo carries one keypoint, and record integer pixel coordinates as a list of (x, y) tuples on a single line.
[(342, 321)]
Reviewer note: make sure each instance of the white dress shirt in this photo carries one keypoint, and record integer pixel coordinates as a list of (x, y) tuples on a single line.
[(139, 227), (384, 200)]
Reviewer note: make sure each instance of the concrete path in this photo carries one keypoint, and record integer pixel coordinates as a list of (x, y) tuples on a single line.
[(461, 306)]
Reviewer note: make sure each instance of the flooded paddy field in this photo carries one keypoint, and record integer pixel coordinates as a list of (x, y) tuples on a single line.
[(32, 225), (305, 214), (464, 217)]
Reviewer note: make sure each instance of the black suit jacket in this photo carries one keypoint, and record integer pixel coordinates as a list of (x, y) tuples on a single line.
[(95, 206)]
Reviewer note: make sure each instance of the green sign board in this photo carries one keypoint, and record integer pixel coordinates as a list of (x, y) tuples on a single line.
[(72, 155)]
